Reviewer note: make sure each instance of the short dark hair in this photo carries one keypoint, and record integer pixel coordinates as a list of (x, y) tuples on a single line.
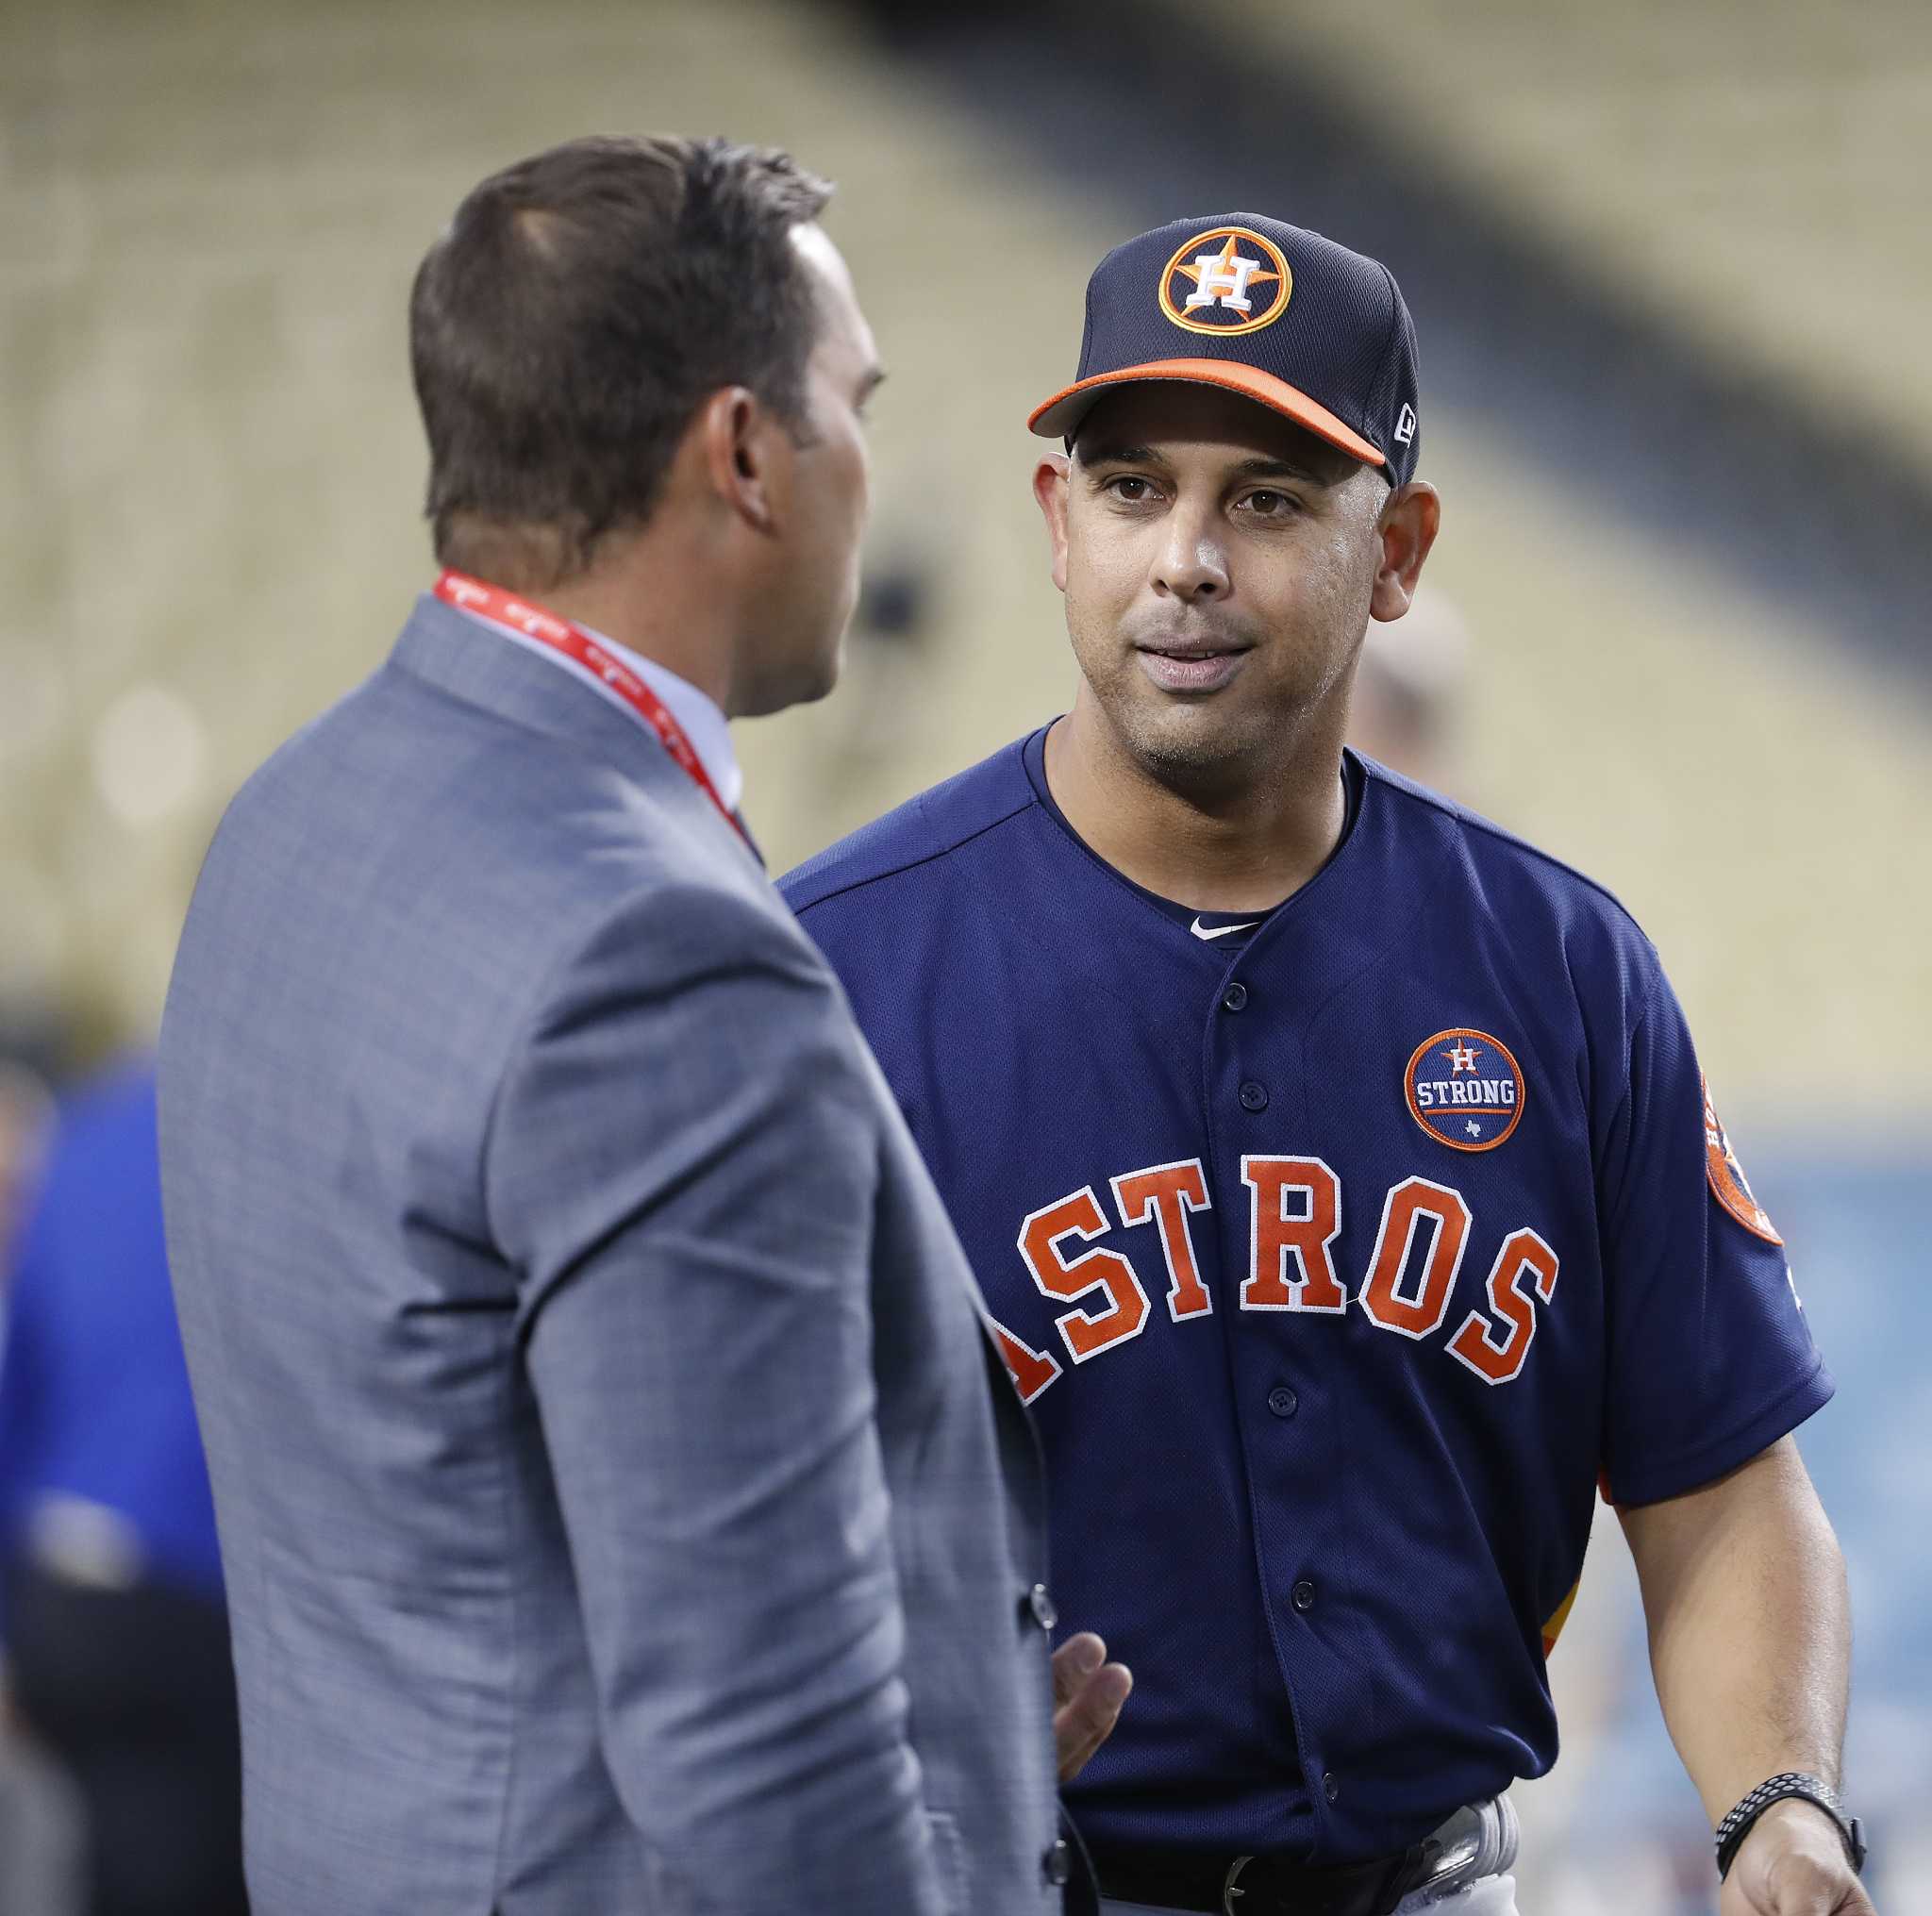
[(573, 316)]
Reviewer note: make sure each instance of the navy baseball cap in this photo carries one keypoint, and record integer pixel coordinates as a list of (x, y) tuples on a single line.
[(1258, 307)]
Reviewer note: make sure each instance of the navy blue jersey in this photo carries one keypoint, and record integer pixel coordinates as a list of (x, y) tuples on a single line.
[(1338, 1269)]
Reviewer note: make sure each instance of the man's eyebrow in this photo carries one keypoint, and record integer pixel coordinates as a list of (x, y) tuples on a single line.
[(1112, 453), (1262, 466), (1284, 468)]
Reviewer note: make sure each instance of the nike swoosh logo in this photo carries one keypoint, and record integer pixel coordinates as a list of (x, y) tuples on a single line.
[(1200, 930)]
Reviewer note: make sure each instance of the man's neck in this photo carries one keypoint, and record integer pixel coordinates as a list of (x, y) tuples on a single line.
[(652, 588), (616, 603), (1243, 850)]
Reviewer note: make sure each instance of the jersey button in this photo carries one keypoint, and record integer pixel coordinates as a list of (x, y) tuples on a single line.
[(1283, 1400), (1331, 1788), (1234, 997), (1303, 1596), (1057, 1865), (1253, 1096), (1037, 1602)]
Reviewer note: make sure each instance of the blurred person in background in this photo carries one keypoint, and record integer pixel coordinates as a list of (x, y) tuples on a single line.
[(39, 1842), (1406, 709), (111, 1608), (24, 1111)]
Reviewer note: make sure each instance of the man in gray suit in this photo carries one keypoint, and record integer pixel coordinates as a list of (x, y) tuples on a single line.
[(621, 1505)]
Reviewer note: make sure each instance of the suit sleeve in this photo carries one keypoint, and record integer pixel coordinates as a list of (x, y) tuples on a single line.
[(682, 1166), (1709, 1356)]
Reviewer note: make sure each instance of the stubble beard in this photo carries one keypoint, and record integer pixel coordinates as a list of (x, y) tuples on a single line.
[(1200, 754)]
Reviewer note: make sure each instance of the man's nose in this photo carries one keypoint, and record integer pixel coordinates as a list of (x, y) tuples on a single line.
[(1191, 565)]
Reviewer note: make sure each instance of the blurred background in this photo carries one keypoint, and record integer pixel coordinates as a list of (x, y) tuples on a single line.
[(1672, 272)]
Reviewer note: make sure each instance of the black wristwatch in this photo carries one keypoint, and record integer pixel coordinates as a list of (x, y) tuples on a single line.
[(1732, 1831)]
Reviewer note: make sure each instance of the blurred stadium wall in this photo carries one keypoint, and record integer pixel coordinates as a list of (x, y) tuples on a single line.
[(1671, 271)]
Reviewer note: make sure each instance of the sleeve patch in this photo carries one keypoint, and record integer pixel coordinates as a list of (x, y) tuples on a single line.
[(1728, 1184)]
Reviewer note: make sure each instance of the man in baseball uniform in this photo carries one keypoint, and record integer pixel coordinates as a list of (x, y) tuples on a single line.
[(1337, 1167)]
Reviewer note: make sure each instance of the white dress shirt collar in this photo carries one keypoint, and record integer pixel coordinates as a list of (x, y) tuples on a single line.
[(705, 724)]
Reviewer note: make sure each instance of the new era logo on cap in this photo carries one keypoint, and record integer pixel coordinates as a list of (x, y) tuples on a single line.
[(1283, 317)]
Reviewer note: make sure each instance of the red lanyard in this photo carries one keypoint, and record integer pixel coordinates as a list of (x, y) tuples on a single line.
[(611, 675)]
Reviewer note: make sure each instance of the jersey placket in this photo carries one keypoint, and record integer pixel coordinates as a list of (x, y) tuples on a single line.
[(1286, 1412)]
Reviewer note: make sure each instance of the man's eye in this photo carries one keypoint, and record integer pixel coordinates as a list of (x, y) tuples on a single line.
[(1270, 504), (1130, 487)]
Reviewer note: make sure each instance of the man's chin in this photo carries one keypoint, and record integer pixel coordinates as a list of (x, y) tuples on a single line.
[(1190, 727), (823, 676), (1193, 743), (804, 685)]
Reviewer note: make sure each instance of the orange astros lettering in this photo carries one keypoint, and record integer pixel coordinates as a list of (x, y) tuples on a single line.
[(1080, 1216), (1170, 1191), (1415, 1306), (1295, 1217), (1276, 1238), (1032, 1371), (1524, 1255)]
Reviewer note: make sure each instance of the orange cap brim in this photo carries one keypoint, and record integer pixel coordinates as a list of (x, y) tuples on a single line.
[(1059, 418)]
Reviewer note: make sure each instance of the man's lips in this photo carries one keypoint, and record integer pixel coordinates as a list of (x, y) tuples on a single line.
[(1190, 665)]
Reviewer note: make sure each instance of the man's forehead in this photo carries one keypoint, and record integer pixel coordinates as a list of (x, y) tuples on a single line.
[(1168, 417), (823, 256), (843, 327)]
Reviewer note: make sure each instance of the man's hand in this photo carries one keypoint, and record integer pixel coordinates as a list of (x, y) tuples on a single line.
[(1750, 1640), (1088, 1692), (1793, 1863)]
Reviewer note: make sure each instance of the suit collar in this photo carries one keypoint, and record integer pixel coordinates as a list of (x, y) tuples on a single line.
[(696, 714), (450, 651), (457, 656)]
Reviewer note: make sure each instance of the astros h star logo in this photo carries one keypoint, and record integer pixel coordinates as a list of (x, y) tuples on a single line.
[(1227, 280)]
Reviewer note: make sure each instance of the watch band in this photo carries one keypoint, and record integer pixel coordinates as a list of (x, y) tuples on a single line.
[(1732, 1831)]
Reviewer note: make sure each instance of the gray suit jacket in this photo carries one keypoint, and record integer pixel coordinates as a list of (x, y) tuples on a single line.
[(616, 1513)]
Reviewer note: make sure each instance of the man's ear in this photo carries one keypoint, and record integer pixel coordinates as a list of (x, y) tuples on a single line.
[(1407, 529), (742, 455), (1050, 493)]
